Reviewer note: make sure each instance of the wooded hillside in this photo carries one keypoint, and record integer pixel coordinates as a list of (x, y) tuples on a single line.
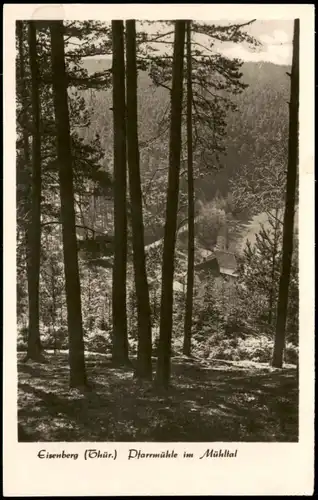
[(156, 202), (259, 124)]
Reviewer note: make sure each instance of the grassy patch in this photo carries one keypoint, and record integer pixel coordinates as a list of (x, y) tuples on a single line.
[(208, 401)]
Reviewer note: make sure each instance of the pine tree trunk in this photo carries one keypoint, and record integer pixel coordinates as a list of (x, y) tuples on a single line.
[(26, 154), (190, 271), (288, 230), (272, 286), (120, 338), (53, 305), (165, 335), (34, 232), (25, 133), (64, 154), (144, 367)]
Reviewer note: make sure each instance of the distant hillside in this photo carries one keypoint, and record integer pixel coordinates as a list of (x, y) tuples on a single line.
[(266, 72), (259, 126), (260, 122), (93, 65)]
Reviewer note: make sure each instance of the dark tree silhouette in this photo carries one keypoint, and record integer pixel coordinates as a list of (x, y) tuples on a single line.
[(34, 231), (25, 169), (120, 339), (190, 271), (164, 347), (64, 156), (288, 230), (274, 252), (144, 367)]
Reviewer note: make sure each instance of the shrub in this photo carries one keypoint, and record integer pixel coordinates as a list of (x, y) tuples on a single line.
[(98, 340), (21, 342), (252, 348), (291, 354)]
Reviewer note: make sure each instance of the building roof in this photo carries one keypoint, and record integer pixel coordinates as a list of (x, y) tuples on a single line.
[(209, 263), (228, 272), (226, 260)]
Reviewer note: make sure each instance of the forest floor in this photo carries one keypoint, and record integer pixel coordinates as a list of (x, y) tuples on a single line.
[(208, 401)]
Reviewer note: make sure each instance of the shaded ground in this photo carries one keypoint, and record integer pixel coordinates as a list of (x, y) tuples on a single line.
[(215, 401)]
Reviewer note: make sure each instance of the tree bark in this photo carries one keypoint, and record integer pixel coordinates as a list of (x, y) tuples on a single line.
[(26, 149), (190, 270), (288, 229), (28, 172), (272, 286), (34, 231), (144, 366), (64, 154), (165, 335), (120, 336), (24, 95)]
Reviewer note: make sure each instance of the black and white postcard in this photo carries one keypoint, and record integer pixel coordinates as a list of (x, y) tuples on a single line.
[(158, 249)]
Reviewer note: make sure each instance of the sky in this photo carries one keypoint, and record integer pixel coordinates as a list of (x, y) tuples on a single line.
[(276, 39), (275, 36)]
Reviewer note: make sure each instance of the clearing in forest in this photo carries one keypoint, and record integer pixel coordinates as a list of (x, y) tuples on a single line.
[(208, 401)]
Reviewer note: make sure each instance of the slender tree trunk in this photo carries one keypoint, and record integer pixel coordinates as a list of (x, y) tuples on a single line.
[(24, 94), (288, 230), (87, 323), (164, 347), (154, 307), (190, 271), (72, 281), (120, 338), (34, 232), (53, 305), (109, 311), (144, 367), (26, 154), (272, 287)]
